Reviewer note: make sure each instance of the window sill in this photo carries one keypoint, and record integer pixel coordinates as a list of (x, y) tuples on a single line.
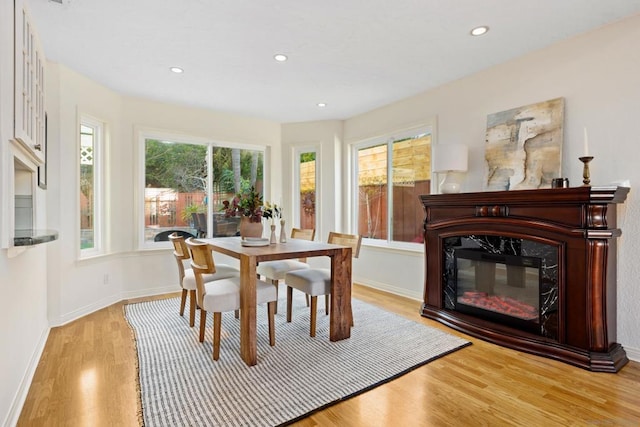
[(403, 247)]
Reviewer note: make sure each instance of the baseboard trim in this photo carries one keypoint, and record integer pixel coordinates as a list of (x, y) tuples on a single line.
[(403, 292), (83, 311), (632, 353), (23, 390), (107, 301)]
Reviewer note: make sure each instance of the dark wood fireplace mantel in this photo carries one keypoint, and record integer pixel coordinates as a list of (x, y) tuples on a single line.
[(581, 223)]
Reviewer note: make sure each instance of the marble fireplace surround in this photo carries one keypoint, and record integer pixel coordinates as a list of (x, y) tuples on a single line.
[(579, 223), (503, 294)]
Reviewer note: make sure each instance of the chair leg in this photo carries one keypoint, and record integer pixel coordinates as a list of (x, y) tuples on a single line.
[(351, 314), (271, 311), (289, 301), (203, 322), (275, 282), (183, 301), (217, 326), (192, 308), (326, 304), (314, 308), (306, 298)]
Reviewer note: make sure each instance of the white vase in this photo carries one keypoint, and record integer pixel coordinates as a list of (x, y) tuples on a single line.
[(272, 239), (283, 234)]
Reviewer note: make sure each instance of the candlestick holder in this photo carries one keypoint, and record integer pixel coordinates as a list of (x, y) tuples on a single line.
[(585, 169), (283, 234)]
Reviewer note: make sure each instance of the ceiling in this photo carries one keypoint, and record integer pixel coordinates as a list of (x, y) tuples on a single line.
[(353, 55)]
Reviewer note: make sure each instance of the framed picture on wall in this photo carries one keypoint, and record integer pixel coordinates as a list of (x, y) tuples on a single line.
[(42, 170), (524, 146)]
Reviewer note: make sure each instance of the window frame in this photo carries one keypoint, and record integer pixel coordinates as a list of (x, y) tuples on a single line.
[(100, 132), (144, 134), (385, 139), (297, 152)]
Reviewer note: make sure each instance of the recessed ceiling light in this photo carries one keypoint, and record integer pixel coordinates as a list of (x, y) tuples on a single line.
[(177, 70), (280, 57), (322, 104), (478, 31)]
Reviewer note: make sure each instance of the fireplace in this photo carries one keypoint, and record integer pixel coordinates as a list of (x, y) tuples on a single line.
[(533, 270), (500, 287)]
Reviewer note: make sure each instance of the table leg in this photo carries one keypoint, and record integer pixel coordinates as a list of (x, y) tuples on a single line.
[(248, 302), (340, 315)]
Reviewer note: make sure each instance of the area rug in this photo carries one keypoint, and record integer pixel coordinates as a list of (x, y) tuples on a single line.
[(181, 385)]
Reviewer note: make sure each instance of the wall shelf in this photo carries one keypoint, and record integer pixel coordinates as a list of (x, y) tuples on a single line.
[(34, 237)]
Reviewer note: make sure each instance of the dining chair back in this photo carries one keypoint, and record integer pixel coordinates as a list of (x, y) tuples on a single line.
[(181, 254), (223, 295), (317, 281), (186, 275), (303, 233), (355, 241)]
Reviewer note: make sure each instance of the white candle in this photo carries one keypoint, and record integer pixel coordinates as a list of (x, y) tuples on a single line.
[(586, 143)]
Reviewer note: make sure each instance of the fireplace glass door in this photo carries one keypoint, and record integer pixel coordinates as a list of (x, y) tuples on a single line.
[(499, 287), (513, 282)]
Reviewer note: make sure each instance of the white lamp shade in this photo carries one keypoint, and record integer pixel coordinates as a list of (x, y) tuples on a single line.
[(449, 157)]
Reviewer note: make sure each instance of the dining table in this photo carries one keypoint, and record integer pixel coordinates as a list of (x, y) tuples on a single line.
[(340, 312)]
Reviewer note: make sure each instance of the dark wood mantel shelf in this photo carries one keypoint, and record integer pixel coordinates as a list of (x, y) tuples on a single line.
[(581, 223)]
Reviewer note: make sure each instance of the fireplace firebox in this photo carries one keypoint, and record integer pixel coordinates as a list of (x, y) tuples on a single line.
[(533, 270), (499, 287)]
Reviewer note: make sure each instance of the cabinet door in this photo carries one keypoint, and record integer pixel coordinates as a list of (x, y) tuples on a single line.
[(29, 126)]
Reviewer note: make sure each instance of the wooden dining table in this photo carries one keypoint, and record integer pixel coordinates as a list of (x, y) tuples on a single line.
[(250, 256)]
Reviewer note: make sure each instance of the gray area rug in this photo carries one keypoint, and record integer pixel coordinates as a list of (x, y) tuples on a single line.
[(181, 385)]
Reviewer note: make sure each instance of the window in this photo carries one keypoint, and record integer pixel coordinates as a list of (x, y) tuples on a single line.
[(90, 185), (389, 176), (305, 188), (186, 183)]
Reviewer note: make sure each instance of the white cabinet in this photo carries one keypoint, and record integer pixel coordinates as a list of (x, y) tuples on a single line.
[(29, 122)]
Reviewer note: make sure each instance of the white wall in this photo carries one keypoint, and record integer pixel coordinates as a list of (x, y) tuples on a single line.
[(78, 287), (333, 204), (23, 306), (327, 136), (597, 74)]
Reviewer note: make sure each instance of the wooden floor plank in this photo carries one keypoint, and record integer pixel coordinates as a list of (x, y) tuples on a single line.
[(88, 377)]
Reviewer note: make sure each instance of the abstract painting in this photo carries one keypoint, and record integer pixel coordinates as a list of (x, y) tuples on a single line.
[(524, 146)]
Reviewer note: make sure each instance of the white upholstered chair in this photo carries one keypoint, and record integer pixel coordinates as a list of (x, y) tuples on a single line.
[(277, 270), (223, 295), (317, 281), (187, 278)]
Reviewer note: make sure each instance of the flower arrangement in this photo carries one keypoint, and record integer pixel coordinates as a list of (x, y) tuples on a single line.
[(270, 211), (248, 203)]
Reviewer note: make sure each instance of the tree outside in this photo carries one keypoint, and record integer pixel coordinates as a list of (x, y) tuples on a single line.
[(176, 181)]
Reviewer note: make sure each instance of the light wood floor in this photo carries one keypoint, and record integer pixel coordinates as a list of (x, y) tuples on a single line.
[(87, 377)]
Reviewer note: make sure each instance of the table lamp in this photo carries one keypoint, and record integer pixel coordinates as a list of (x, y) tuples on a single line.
[(450, 159)]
